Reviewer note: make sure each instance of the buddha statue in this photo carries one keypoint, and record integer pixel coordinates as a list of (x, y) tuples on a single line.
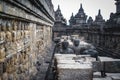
[(76, 46), (76, 42), (65, 49)]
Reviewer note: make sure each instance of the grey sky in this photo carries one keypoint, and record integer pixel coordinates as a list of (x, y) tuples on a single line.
[(90, 7)]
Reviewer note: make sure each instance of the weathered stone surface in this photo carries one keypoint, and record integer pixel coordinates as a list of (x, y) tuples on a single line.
[(75, 74), (73, 71), (72, 67), (110, 65)]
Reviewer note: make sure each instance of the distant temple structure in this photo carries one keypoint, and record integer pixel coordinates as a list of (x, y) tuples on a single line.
[(79, 19), (105, 35), (115, 17), (60, 23), (76, 22), (99, 21)]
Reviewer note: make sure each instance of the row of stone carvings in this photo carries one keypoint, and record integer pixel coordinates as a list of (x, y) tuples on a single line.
[(15, 48), (21, 43)]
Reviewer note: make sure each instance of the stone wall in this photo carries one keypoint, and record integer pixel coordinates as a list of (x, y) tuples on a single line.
[(106, 40), (25, 37)]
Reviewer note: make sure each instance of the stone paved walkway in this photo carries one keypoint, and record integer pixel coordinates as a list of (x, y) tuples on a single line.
[(43, 69)]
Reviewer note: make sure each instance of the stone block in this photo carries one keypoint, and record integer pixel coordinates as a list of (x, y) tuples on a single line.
[(74, 71), (112, 67), (72, 67), (77, 74)]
